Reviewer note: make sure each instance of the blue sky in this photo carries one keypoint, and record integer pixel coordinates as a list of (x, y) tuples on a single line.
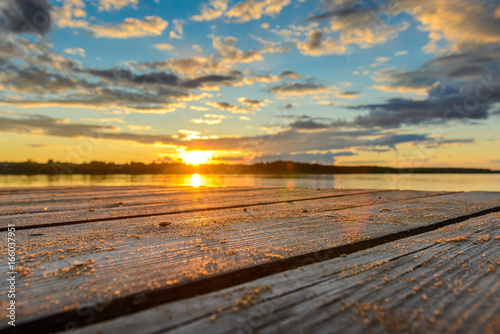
[(395, 83)]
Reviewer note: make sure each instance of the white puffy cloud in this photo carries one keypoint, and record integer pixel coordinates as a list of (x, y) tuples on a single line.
[(254, 9), (463, 24), (75, 51), (109, 5), (164, 47), (211, 11), (178, 31), (131, 27), (243, 11), (71, 14)]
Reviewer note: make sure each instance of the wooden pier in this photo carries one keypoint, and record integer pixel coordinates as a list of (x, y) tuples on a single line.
[(251, 260)]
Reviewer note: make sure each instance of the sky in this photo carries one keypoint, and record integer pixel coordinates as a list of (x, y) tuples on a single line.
[(350, 82)]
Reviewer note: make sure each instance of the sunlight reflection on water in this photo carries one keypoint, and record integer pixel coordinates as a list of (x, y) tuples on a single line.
[(196, 180), (433, 182)]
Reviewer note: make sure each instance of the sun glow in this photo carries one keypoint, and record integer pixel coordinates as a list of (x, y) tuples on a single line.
[(196, 180), (196, 157)]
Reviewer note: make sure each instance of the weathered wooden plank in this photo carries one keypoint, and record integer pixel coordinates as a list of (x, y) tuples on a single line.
[(43, 193), (194, 246), (444, 281), (202, 199), (82, 199)]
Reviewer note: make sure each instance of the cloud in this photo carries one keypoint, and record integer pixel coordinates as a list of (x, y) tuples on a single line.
[(199, 108), (290, 75), (328, 103), (317, 46), (213, 11), (253, 103), (224, 60), (32, 80), (309, 125), (164, 47), (109, 5), (347, 95), (397, 112), (44, 125), (178, 31), (131, 28), (243, 11), (71, 14), (139, 127), (228, 107), (301, 89), (248, 10), (75, 51), (38, 87), (360, 25), (53, 80), (102, 120), (278, 143), (379, 61), (210, 119), (205, 121), (461, 25), (401, 53), (465, 25), (26, 16), (443, 74)]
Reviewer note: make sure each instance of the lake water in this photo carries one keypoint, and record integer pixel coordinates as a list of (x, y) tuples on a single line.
[(435, 182)]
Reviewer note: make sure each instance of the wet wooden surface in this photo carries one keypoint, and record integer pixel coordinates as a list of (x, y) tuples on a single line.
[(104, 259)]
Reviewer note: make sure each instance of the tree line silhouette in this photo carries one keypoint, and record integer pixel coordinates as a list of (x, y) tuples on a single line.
[(276, 167)]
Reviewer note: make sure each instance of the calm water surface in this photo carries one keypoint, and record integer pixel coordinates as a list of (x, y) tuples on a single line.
[(437, 182)]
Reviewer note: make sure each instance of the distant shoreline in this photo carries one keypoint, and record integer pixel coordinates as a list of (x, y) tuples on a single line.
[(268, 168)]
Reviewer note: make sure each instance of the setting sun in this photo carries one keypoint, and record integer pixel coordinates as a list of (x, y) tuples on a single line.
[(196, 157)]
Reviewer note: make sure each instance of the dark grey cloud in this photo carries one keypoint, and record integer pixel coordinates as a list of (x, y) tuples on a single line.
[(125, 75), (26, 16), (438, 109), (457, 70), (462, 86), (290, 75), (159, 78), (393, 139), (315, 39), (209, 79), (299, 89), (309, 125)]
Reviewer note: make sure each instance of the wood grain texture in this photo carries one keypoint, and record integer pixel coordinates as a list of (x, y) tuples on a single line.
[(136, 256), (27, 202), (200, 199), (444, 281)]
